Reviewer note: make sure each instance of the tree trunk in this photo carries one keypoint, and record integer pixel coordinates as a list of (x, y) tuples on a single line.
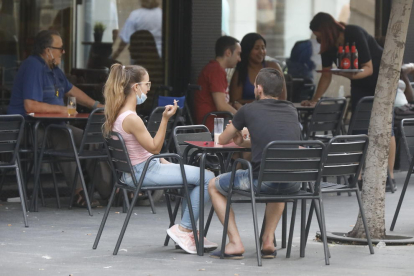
[(373, 190)]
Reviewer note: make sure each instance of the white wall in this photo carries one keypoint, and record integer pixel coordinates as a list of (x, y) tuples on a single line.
[(242, 17)]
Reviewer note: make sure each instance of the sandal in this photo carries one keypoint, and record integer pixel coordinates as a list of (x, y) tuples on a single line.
[(80, 201)]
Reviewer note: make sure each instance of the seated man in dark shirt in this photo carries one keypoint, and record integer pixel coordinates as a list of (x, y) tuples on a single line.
[(267, 119), (40, 87)]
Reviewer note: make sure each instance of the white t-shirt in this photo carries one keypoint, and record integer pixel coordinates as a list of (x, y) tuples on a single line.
[(144, 19)]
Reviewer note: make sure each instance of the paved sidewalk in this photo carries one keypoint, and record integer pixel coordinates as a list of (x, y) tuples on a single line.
[(59, 242)]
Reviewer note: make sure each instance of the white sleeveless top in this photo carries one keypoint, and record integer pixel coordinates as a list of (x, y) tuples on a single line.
[(137, 153)]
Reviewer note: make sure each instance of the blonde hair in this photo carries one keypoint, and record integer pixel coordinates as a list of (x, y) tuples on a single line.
[(117, 88)]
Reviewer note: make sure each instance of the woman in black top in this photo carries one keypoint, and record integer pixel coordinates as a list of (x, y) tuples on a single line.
[(330, 34)]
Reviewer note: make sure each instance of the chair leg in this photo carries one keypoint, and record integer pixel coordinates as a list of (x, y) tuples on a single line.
[(361, 209), (302, 228), (172, 217), (52, 168), (292, 227), (72, 194), (397, 211), (323, 232), (88, 203), (151, 202), (308, 224), (168, 202), (101, 227), (256, 232), (284, 226), (210, 217), (125, 204), (24, 184), (22, 196)]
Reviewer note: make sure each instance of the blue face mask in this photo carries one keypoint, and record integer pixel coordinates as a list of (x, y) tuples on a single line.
[(141, 100)]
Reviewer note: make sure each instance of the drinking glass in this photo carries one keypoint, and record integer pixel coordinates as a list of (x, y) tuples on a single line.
[(71, 106), (218, 129)]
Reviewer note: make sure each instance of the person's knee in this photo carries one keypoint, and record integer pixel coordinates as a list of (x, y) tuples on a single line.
[(212, 186)]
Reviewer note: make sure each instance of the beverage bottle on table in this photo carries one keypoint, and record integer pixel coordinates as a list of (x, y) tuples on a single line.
[(346, 60), (354, 57), (339, 56)]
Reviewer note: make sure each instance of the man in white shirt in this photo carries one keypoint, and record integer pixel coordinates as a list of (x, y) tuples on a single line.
[(149, 18)]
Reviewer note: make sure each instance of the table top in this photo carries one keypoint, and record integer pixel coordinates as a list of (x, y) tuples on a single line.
[(78, 116), (209, 145)]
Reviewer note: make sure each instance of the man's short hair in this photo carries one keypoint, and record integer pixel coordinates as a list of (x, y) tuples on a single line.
[(43, 40), (272, 82), (224, 43)]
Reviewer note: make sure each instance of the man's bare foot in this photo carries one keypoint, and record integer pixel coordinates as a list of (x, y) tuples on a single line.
[(268, 246), (234, 249)]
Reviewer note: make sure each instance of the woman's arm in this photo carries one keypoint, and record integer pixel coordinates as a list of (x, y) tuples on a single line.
[(134, 125), (323, 85), (276, 66)]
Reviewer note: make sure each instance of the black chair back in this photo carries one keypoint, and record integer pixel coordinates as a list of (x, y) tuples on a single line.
[(361, 116), (189, 133), (407, 133), (284, 161), (11, 133), (118, 156), (93, 129), (154, 122), (327, 116), (345, 155)]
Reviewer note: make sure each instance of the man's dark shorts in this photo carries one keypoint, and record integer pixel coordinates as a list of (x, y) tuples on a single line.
[(242, 182)]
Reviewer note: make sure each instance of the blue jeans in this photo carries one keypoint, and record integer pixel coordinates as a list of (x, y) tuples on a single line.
[(170, 174), (242, 182)]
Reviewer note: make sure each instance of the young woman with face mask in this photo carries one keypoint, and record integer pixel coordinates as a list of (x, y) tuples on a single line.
[(127, 87)]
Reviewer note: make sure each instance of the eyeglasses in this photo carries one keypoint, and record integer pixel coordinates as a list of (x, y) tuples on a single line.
[(148, 83), (57, 48)]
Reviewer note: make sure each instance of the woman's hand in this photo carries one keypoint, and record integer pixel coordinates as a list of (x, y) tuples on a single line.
[(170, 110), (308, 103)]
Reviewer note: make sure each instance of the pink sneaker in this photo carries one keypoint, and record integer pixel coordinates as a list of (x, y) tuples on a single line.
[(184, 239), (208, 244)]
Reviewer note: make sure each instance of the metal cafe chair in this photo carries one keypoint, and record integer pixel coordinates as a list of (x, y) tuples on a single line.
[(407, 135), (154, 122), (283, 161), (327, 117), (120, 163), (180, 135), (92, 135), (345, 155), (11, 133)]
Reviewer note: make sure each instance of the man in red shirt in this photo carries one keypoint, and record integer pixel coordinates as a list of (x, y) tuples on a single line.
[(214, 94)]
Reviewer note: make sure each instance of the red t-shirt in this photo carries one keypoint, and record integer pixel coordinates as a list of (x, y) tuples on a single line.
[(212, 79)]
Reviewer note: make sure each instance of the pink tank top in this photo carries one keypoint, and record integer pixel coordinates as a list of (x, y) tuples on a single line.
[(136, 152)]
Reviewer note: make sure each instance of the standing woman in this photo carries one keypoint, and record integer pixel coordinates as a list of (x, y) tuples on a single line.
[(330, 34), (252, 60), (127, 87)]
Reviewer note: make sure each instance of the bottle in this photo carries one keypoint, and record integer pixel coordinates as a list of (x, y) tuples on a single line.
[(354, 57), (346, 60), (339, 56)]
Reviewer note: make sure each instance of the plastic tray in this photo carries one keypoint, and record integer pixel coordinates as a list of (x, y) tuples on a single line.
[(341, 70)]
